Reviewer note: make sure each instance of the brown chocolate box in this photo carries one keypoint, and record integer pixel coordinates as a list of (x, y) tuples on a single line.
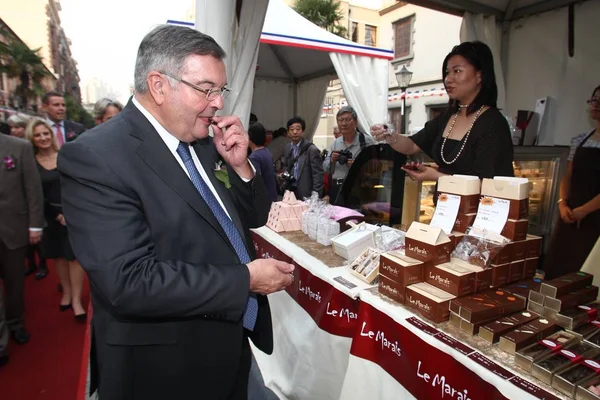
[(402, 269), (525, 358), (463, 222), (500, 274), (471, 328), (516, 270), (545, 368), (577, 316), (427, 243), (483, 276), (516, 230), (527, 334), (492, 331), (566, 283), (429, 301), (391, 289), (514, 189), (531, 265), (579, 296), (451, 278), (522, 288), (519, 249), (487, 304), (504, 256), (467, 187), (533, 247)]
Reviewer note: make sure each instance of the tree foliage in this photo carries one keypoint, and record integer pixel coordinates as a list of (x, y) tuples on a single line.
[(76, 112), (19, 61), (324, 13)]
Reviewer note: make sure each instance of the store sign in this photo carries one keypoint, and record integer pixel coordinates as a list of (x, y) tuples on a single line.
[(332, 310)]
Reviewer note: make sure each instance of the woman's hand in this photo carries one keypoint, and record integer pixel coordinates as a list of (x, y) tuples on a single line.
[(566, 214), (419, 172), (579, 213), (61, 219)]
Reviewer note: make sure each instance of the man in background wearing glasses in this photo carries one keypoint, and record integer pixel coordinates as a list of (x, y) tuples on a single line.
[(344, 150), (164, 240)]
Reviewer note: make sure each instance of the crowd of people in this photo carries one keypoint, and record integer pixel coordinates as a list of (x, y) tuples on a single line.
[(164, 238)]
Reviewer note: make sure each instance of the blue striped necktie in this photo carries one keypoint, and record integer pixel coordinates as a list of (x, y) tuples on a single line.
[(227, 224)]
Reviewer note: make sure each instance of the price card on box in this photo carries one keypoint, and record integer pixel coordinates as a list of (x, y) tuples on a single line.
[(446, 211), (492, 214)]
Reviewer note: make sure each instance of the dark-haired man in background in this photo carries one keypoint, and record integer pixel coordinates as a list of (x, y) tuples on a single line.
[(261, 158), (54, 106), (302, 160)]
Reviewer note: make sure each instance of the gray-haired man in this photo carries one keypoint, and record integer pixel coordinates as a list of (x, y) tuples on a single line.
[(351, 141)]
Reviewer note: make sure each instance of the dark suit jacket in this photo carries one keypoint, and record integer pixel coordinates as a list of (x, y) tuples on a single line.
[(310, 170), (76, 128), (167, 286), (21, 198)]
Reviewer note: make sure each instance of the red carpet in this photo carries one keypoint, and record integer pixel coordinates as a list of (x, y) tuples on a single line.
[(49, 367)]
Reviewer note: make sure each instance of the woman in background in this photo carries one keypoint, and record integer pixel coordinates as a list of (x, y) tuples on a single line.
[(55, 239), (17, 124), (578, 229), (105, 109), (261, 158), (472, 137)]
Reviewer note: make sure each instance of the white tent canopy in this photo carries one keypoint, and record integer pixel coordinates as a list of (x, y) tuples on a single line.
[(296, 59)]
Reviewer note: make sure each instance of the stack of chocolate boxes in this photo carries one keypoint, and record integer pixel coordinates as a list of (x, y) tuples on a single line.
[(286, 215)]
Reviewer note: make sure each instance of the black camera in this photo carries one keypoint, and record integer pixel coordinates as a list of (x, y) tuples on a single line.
[(287, 182), (344, 156)]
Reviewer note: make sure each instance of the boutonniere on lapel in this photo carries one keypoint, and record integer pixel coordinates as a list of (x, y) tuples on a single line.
[(222, 174), (71, 135), (9, 162)]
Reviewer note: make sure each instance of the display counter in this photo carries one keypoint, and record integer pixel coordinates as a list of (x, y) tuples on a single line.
[(337, 338)]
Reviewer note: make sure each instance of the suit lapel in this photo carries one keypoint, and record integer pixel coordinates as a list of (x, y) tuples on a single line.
[(161, 161), (206, 154), (301, 159)]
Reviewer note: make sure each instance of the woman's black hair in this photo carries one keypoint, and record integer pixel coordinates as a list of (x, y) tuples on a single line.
[(479, 55), (257, 134), (596, 90)]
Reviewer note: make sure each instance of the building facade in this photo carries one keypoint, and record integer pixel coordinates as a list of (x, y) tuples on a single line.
[(37, 23)]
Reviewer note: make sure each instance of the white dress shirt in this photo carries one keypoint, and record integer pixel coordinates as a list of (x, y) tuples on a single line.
[(172, 143), (61, 125)]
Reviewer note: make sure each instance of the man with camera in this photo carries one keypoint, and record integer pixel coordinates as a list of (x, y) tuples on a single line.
[(344, 150), (303, 169)]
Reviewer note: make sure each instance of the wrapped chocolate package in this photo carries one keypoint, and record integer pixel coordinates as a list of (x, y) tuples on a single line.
[(545, 368), (526, 357), (527, 334), (486, 305), (479, 247), (492, 331), (567, 380), (522, 288)]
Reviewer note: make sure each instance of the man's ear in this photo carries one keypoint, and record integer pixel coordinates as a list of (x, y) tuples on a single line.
[(157, 83)]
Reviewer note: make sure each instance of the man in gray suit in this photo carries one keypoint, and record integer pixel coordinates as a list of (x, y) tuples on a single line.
[(302, 160), (21, 223)]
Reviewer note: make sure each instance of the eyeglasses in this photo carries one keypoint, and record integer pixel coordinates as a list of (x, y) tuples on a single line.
[(210, 94), (344, 120), (594, 101)]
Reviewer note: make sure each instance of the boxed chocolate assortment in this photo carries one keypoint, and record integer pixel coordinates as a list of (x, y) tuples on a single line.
[(518, 250), (577, 316), (516, 271), (396, 272), (451, 278), (428, 301), (588, 389), (492, 331), (465, 186), (516, 229), (579, 374), (586, 331), (527, 334), (472, 328), (579, 296), (533, 247), (486, 305), (547, 367), (516, 190), (522, 288), (530, 267), (500, 274), (566, 284), (366, 265), (526, 357), (428, 243), (594, 338)]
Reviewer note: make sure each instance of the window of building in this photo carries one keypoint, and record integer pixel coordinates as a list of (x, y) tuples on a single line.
[(434, 111), (403, 30), (370, 35), (355, 32), (395, 118)]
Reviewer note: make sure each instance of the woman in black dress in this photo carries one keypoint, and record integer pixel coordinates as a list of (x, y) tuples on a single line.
[(55, 239), (578, 228), (472, 137)]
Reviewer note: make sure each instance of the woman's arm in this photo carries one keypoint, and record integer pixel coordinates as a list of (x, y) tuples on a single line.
[(580, 213), (566, 214)]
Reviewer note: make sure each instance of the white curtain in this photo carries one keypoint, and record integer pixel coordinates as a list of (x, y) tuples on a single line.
[(273, 103), (241, 44), (309, 100), (485, 29), (365, 84)]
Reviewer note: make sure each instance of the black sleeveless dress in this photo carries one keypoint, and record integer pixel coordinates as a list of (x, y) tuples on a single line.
[(55, 239)]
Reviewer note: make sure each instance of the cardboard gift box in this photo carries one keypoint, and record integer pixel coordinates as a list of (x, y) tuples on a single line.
[(428, 301), (500, 274), (427, 243), (504, 256), (530, 267), (289, 197), (514, 189), (525, 358), (463, 222), (465, 186), (492, 331), (455, 238), (566, 283), (391, 289), (533, 246), (519, 250), (545, 368), (523, 287), (472, 328), (580, 296), (487, 304), (515, 230), (516, 271), (366, 265), (451, 278), (351, 243), (583, 375), (402, 269), (527, 334)]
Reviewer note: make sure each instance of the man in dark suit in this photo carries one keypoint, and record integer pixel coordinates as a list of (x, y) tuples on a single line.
[(165, 243), (53, 104), (302, 160), (21, 223)]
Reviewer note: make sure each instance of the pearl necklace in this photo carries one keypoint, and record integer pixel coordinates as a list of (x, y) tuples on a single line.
[(465, 138)]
